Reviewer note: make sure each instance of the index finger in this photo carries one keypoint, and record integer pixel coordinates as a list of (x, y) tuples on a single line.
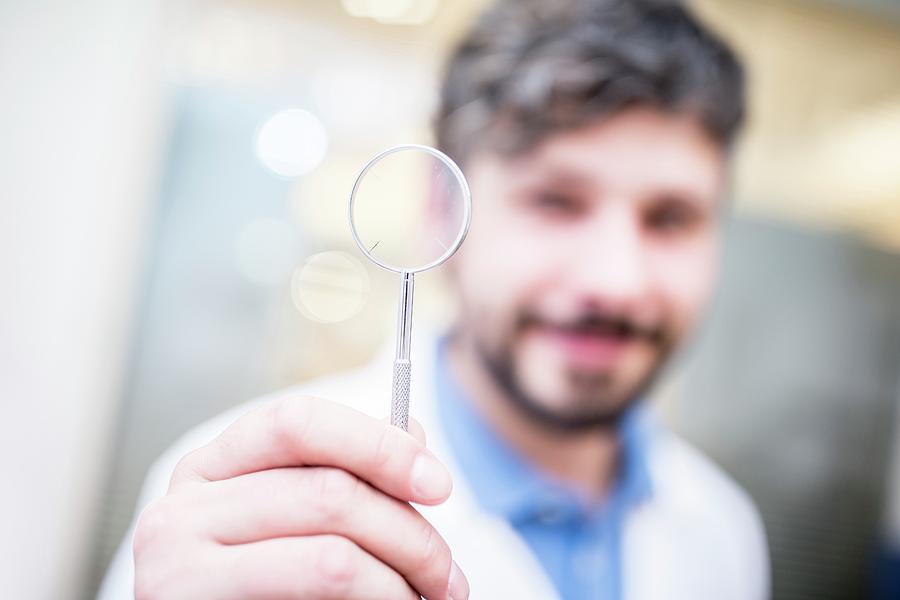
[(305, 431)]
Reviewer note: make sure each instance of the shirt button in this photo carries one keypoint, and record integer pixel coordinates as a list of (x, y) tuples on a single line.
[(550, 515), (550, 511), (589, 563)]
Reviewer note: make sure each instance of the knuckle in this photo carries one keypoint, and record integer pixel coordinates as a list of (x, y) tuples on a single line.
[(154, 569), (163, 536), (385, 447), (335, 491), (291, 417), (185, 469), (337, 566), (435, 553), (153, 523), (336, 483)]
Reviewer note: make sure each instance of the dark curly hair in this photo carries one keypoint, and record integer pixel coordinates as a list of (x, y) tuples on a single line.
[(531, 67)]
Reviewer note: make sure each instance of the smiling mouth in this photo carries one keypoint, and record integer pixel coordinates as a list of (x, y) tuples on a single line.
[(594, 344)]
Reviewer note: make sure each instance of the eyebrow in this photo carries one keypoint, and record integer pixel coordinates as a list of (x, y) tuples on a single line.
[(570, 178), (561, 176), (556, 174)]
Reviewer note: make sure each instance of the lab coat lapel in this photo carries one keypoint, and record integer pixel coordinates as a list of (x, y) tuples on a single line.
[(499, 564), (496, 561)]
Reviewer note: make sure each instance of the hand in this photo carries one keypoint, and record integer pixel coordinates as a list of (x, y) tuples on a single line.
[(302, 498)]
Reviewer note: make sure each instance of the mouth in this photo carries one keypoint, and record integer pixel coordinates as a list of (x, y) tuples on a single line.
[(594, 346)]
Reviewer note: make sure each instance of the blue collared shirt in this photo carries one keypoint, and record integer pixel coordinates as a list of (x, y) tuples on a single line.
[(580, 548)]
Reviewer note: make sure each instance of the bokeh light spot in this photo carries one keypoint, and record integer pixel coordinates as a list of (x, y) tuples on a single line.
[(330, 287), (291, 143)]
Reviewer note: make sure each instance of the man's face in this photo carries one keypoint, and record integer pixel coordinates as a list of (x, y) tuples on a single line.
[(589, 258)]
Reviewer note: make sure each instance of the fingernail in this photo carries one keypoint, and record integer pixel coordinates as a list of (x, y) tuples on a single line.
[(458, 588), (430, 479)]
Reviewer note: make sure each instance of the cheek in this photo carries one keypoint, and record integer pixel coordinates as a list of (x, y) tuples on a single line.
[(498, 264), (685, 275)]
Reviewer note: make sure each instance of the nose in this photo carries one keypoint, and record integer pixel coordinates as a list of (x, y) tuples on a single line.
[(610, 267)]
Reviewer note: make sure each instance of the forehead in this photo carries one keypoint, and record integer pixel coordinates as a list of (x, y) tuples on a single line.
[(636, 152)]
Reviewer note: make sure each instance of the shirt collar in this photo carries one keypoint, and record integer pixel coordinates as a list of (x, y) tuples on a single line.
[(506, 484)]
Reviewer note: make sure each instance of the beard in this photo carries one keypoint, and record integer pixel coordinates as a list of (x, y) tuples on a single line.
[(593, 399)]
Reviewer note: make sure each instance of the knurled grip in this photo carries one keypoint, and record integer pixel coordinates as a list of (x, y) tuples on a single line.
[(400, 394)]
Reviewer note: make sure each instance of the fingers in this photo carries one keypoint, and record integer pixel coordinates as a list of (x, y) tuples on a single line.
[(415, 429), (315, 501), (302, 498), (313, 432), (319, 567)]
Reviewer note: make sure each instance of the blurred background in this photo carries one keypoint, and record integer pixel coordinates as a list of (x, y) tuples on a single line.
[(173, 185)]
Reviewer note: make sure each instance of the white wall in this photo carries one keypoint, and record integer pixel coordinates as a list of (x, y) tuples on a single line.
[(80, 115)]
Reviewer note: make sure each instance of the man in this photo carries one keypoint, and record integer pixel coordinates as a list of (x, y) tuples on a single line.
[(595, 136)]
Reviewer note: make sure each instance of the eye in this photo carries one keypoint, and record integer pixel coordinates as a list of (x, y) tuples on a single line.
[(556, 204), (672, 216)]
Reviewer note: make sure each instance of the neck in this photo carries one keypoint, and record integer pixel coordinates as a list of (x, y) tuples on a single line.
[(583, 460)]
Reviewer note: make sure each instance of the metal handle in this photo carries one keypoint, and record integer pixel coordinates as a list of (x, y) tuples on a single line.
[(400, 394)]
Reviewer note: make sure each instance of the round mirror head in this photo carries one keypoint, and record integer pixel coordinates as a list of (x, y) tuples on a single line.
[(410, 208)]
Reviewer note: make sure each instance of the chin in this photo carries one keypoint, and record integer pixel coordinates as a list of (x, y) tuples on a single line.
[(558, 394), (574, 417), (575, 407), (574, 398)]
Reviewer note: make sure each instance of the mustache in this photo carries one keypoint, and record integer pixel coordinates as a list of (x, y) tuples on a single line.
[(597, 323)]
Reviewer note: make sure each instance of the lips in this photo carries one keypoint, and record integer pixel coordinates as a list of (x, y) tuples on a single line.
[(590, 348)]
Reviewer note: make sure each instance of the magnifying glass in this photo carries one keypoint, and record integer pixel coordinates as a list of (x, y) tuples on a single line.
[(410, 211)]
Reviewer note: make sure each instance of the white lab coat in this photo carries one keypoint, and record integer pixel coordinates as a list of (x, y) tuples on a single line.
[(698, 537)]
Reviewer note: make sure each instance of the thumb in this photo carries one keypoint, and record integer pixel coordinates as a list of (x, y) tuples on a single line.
[(414, 429)]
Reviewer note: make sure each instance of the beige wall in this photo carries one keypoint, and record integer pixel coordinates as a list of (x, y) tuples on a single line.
[(823, 142)]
